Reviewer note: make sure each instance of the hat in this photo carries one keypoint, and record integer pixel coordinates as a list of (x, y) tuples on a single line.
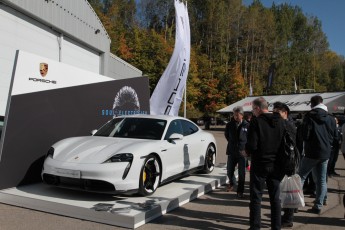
[(238, 109)]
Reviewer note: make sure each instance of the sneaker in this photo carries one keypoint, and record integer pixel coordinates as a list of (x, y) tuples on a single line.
[(315, 210), (325, 202), (287, 225), (335, 174)]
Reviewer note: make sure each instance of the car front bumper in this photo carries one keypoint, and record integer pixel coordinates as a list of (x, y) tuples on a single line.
[(105, 178)]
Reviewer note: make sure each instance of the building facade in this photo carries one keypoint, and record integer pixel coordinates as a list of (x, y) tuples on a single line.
[(63, 30)]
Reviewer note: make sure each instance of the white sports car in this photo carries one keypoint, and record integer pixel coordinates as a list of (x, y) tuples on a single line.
[(130, 154)]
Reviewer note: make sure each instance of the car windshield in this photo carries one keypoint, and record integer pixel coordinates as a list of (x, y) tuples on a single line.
[(133, 127)]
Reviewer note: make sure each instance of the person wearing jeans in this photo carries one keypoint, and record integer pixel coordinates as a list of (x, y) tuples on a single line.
[(319, 172), (319, 130)]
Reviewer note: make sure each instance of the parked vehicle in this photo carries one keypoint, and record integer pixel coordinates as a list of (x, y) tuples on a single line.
[(130, 154)]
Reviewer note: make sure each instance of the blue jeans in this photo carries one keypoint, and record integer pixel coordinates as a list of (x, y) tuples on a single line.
[(319, 171), (241, 161), (258, 177)]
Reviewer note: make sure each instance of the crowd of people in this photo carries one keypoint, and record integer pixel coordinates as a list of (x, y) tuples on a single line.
[(318, 138)]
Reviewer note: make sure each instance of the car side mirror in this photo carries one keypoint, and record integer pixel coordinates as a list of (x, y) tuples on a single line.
[(175, 136), (93, 132)]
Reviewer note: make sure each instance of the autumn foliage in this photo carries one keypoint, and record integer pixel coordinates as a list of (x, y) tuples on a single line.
[(233, 45)]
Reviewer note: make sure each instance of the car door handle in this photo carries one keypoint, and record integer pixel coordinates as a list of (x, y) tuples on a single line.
[(202, 140)]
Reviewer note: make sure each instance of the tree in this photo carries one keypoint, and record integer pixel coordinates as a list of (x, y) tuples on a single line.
[(237, 89), (233, 45)]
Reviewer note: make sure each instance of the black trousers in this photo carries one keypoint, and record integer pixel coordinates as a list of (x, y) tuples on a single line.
[(232, 162), (258, 177)]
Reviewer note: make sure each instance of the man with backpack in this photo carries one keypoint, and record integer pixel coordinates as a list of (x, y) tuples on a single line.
[(284, 111), (318, 132)]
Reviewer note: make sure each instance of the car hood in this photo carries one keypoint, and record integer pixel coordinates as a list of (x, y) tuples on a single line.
[(91, 150)]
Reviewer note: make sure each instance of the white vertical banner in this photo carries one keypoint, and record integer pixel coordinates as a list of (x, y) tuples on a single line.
[(167, 96), (295, 85), (250, 89)]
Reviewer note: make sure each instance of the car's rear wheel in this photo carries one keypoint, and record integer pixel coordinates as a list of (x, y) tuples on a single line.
[(210, 159), (150, 176)]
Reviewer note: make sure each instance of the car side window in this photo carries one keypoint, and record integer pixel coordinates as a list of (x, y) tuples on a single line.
[(188, 127), (174, 127)]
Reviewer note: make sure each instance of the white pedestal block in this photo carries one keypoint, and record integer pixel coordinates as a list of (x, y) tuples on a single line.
[(124, 211)]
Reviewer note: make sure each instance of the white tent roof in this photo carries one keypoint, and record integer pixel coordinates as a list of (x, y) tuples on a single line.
[(334, 101)]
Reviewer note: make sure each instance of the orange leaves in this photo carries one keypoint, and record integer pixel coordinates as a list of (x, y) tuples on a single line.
[(124, 49)]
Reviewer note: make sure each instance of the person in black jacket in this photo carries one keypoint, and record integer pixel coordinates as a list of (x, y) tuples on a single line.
[(265, 134), (318, 132), (236, 135), (284, 111)]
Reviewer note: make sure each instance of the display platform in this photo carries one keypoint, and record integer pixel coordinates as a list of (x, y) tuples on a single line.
[(124, 211)]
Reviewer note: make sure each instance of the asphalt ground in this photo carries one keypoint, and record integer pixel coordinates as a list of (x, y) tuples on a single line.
[(215, 210)]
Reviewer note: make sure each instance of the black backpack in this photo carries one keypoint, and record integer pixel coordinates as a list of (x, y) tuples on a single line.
[(289, 156)]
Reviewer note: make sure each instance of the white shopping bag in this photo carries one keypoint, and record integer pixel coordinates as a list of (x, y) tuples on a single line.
[(291, 192)]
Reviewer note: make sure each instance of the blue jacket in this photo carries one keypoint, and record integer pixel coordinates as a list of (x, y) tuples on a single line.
[(236, 137)]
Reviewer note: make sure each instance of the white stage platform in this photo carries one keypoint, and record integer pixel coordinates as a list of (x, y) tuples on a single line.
[(124, 211)]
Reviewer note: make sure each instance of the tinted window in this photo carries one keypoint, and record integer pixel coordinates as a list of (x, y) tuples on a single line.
[(188, 127), (106, 129), (133, 127), (174, 127)]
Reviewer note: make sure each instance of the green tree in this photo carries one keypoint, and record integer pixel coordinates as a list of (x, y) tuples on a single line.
[(233, 45)]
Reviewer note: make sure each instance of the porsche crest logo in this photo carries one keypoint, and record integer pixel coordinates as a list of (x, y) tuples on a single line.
[(43, 69)]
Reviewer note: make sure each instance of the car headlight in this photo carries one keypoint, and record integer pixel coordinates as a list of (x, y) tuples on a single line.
[(122, 157), (50, 152)]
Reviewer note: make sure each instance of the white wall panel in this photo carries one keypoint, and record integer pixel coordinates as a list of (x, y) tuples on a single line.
[(24, 34), (19, 32), (80, 56)]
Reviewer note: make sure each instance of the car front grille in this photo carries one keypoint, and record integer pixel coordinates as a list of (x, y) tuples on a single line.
[(79, 184)]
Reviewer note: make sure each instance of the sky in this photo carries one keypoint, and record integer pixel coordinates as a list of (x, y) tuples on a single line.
[(331, 13)]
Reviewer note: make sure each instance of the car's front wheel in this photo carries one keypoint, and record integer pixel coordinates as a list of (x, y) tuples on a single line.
[(150, 176), (210, 159)]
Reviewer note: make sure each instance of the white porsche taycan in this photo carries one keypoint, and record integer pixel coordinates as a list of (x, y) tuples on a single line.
[(130, 154)]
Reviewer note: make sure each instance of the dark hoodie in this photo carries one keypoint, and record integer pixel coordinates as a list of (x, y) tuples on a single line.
[(318, 133), (265, 134)]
